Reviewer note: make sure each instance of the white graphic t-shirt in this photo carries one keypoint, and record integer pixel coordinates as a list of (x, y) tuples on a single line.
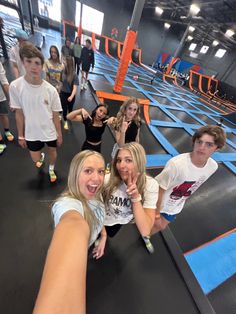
[(181, 178), (119, 208), (65, 204)]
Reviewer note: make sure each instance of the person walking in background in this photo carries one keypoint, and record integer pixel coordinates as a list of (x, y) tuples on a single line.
[(14, 56), (77, 48), (66, 49), (53, 68), (69, 87), (87, 60), (4, 109)]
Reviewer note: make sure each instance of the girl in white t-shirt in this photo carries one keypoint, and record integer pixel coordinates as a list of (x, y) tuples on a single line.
[(130, 195), (78, 215)]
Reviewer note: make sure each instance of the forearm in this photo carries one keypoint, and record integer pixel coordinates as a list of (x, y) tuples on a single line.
[(6, 89), (144, 218), (63, 284), (73, 115), (20, 123), (120, 138), (74, 91)]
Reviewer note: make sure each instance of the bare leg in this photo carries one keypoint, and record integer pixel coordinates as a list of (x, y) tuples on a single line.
[(52, 155), (35, 155), (5, 121)]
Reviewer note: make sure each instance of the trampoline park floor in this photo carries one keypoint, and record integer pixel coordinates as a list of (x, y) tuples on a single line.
[(126, 279)]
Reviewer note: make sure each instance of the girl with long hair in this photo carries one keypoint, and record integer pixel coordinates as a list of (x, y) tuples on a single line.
[(130, 195), (78, 215), (53, 68), (95, 125), (68, 92), (128, 123)]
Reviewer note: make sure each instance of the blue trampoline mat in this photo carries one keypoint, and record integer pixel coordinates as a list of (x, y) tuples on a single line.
[(214, 263)]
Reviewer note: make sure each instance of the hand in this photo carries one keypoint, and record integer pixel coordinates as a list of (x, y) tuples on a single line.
[(110, 120), (22, 143), (85, 114), (157, 216), (98, 250), (124, 125), (70, 98), (132, 190), (59, 141)]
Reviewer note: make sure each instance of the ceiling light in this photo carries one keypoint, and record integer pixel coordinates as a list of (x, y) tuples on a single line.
[(215, 43), (167, 25), (158, 10), (192, 47), (189, 38), (191, 29), (229, 33), (194, 9), (220, 53), (204, 49)]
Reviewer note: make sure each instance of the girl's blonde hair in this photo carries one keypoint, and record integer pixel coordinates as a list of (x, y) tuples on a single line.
[(69, 69), (122, 111), (139, 159), (73, 190)]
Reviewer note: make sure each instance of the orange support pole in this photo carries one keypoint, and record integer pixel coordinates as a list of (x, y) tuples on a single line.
[(79, 31), (129, 42), (94, 41)]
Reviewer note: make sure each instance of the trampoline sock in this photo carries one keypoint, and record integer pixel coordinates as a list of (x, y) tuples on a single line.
[(52, 174), (40, 162)]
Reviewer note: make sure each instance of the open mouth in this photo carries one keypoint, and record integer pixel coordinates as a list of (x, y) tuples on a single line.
[(93, 188)]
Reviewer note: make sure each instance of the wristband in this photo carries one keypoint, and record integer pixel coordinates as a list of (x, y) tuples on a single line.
[(21, 138), (135, 200)]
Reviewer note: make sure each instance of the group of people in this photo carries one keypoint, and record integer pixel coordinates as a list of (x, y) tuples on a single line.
[(96, 204)]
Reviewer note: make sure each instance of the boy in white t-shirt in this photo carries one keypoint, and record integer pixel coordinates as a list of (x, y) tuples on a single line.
[(37, 105), (185, 173)]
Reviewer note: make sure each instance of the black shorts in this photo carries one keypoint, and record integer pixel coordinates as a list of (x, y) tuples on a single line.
[(36, 146), (85, 67), (4, 107)]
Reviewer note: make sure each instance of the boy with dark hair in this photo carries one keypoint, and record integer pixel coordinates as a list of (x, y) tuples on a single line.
[(185, 173), (87, 59), (37, 105)]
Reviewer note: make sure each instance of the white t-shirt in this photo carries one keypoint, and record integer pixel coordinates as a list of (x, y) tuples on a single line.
[(65, 204), (181, 178), (38, 103), (3, 81), (15, 57), (119, 208)]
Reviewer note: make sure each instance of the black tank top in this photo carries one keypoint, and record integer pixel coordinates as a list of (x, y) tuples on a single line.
[(93, 133), (131, 133)]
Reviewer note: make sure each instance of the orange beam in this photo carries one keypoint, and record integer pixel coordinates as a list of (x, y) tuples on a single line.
[(119, 97)]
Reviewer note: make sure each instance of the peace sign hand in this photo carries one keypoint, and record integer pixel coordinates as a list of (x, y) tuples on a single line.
[(85, 114), (124, 125), (132, 190)]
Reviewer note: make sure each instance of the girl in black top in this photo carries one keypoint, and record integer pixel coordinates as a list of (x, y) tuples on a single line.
[(95, 125), (127, 124)]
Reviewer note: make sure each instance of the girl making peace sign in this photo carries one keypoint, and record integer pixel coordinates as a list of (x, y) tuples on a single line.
[(130, 195), (127, 125)]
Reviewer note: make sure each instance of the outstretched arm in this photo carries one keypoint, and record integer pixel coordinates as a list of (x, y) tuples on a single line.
[(78, 115), (63, 284)]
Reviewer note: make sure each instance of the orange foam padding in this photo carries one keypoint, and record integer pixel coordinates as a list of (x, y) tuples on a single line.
[(146, 113), (119, 97), (64, 22), (172, 62), (94, 41), (173, 78), (125, 59), (79, 31), (107, 46)]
